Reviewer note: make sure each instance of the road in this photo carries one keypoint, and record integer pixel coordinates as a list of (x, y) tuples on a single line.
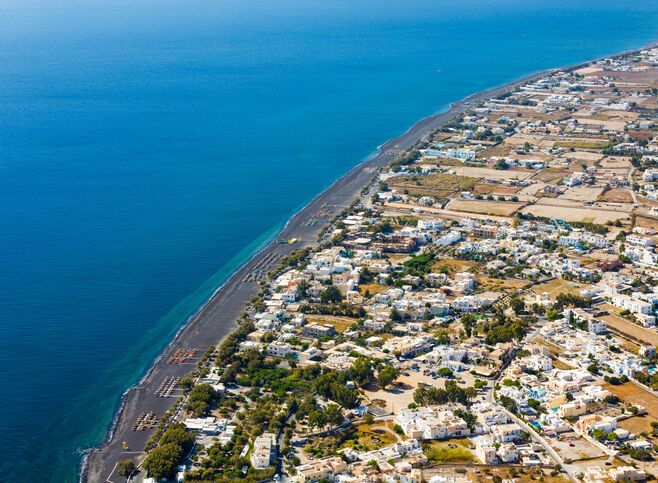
[(530, 337)]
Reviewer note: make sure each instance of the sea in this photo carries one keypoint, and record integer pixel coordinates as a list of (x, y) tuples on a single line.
[(149, 147)]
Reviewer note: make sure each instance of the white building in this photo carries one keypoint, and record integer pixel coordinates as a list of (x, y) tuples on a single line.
[(485, 450), (262, 453)]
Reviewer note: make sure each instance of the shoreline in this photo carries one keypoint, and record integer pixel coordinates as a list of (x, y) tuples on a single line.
[(216, 318)]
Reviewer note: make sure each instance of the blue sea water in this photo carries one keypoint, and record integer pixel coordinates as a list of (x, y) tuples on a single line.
[(148, 148)]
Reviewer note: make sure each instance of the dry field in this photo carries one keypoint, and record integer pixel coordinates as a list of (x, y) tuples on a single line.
[(486, 188), (648, 102), (500, 285), (581, 193), (646, 203), (588, 70), (373, 436), (521, 139), (646, 77), (631, 347), (453, 265), (397, 209), (490, 173), (583, 144), (557, 286), (341, 324), (634, 394), (401, 392), (611, 125), (628, 328), (435, 181), (500, 150), (638, 424), (649, 223), (582, 157), (372, 288), (618, 195), (499, 208), (551, 175), (575, 214), (615, 162), (554, 349), (533, 189), (563, 366)]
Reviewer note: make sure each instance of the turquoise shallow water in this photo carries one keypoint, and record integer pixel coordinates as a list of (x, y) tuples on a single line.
[(148, 148)]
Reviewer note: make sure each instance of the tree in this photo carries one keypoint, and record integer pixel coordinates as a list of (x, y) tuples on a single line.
[(451, 393), (333, 414), (386, 375), (552, 314), (501, 164), (641, 454), (316, 419), (125, 467), (369, 418), (331, 294), (362, 371), (303, 288), (445, 372), (508, 403), (162, 462), (517, 305), (442, 337), (534, 404), (177, 434), (468, 417), (469, 321), (373, 464), (200, 398), (396, 316), (343, 395)]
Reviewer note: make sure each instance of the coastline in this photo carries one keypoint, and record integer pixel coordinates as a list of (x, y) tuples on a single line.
[(216, 318)]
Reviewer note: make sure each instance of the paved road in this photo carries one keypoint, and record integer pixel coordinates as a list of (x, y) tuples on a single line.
[(544, 444), (218, 317)]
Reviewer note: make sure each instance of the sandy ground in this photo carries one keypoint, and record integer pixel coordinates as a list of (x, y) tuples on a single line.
[(629, 328), (576, 214), (485, 207), (634, 394), (581, 193)]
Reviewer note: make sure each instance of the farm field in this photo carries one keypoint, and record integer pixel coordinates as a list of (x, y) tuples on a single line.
[(449, 451), (453, 265), (557, 286), (618, 195), (501, 285), (435, 181), (372, 288), (341, 324), (498, 208), (634, 394), (490, 173), (575, 214), (634, 331)]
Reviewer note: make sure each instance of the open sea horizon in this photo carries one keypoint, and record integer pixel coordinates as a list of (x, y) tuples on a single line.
[(148, 149)]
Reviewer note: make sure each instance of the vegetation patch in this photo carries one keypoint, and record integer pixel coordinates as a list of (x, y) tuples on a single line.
[(438, 452)]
